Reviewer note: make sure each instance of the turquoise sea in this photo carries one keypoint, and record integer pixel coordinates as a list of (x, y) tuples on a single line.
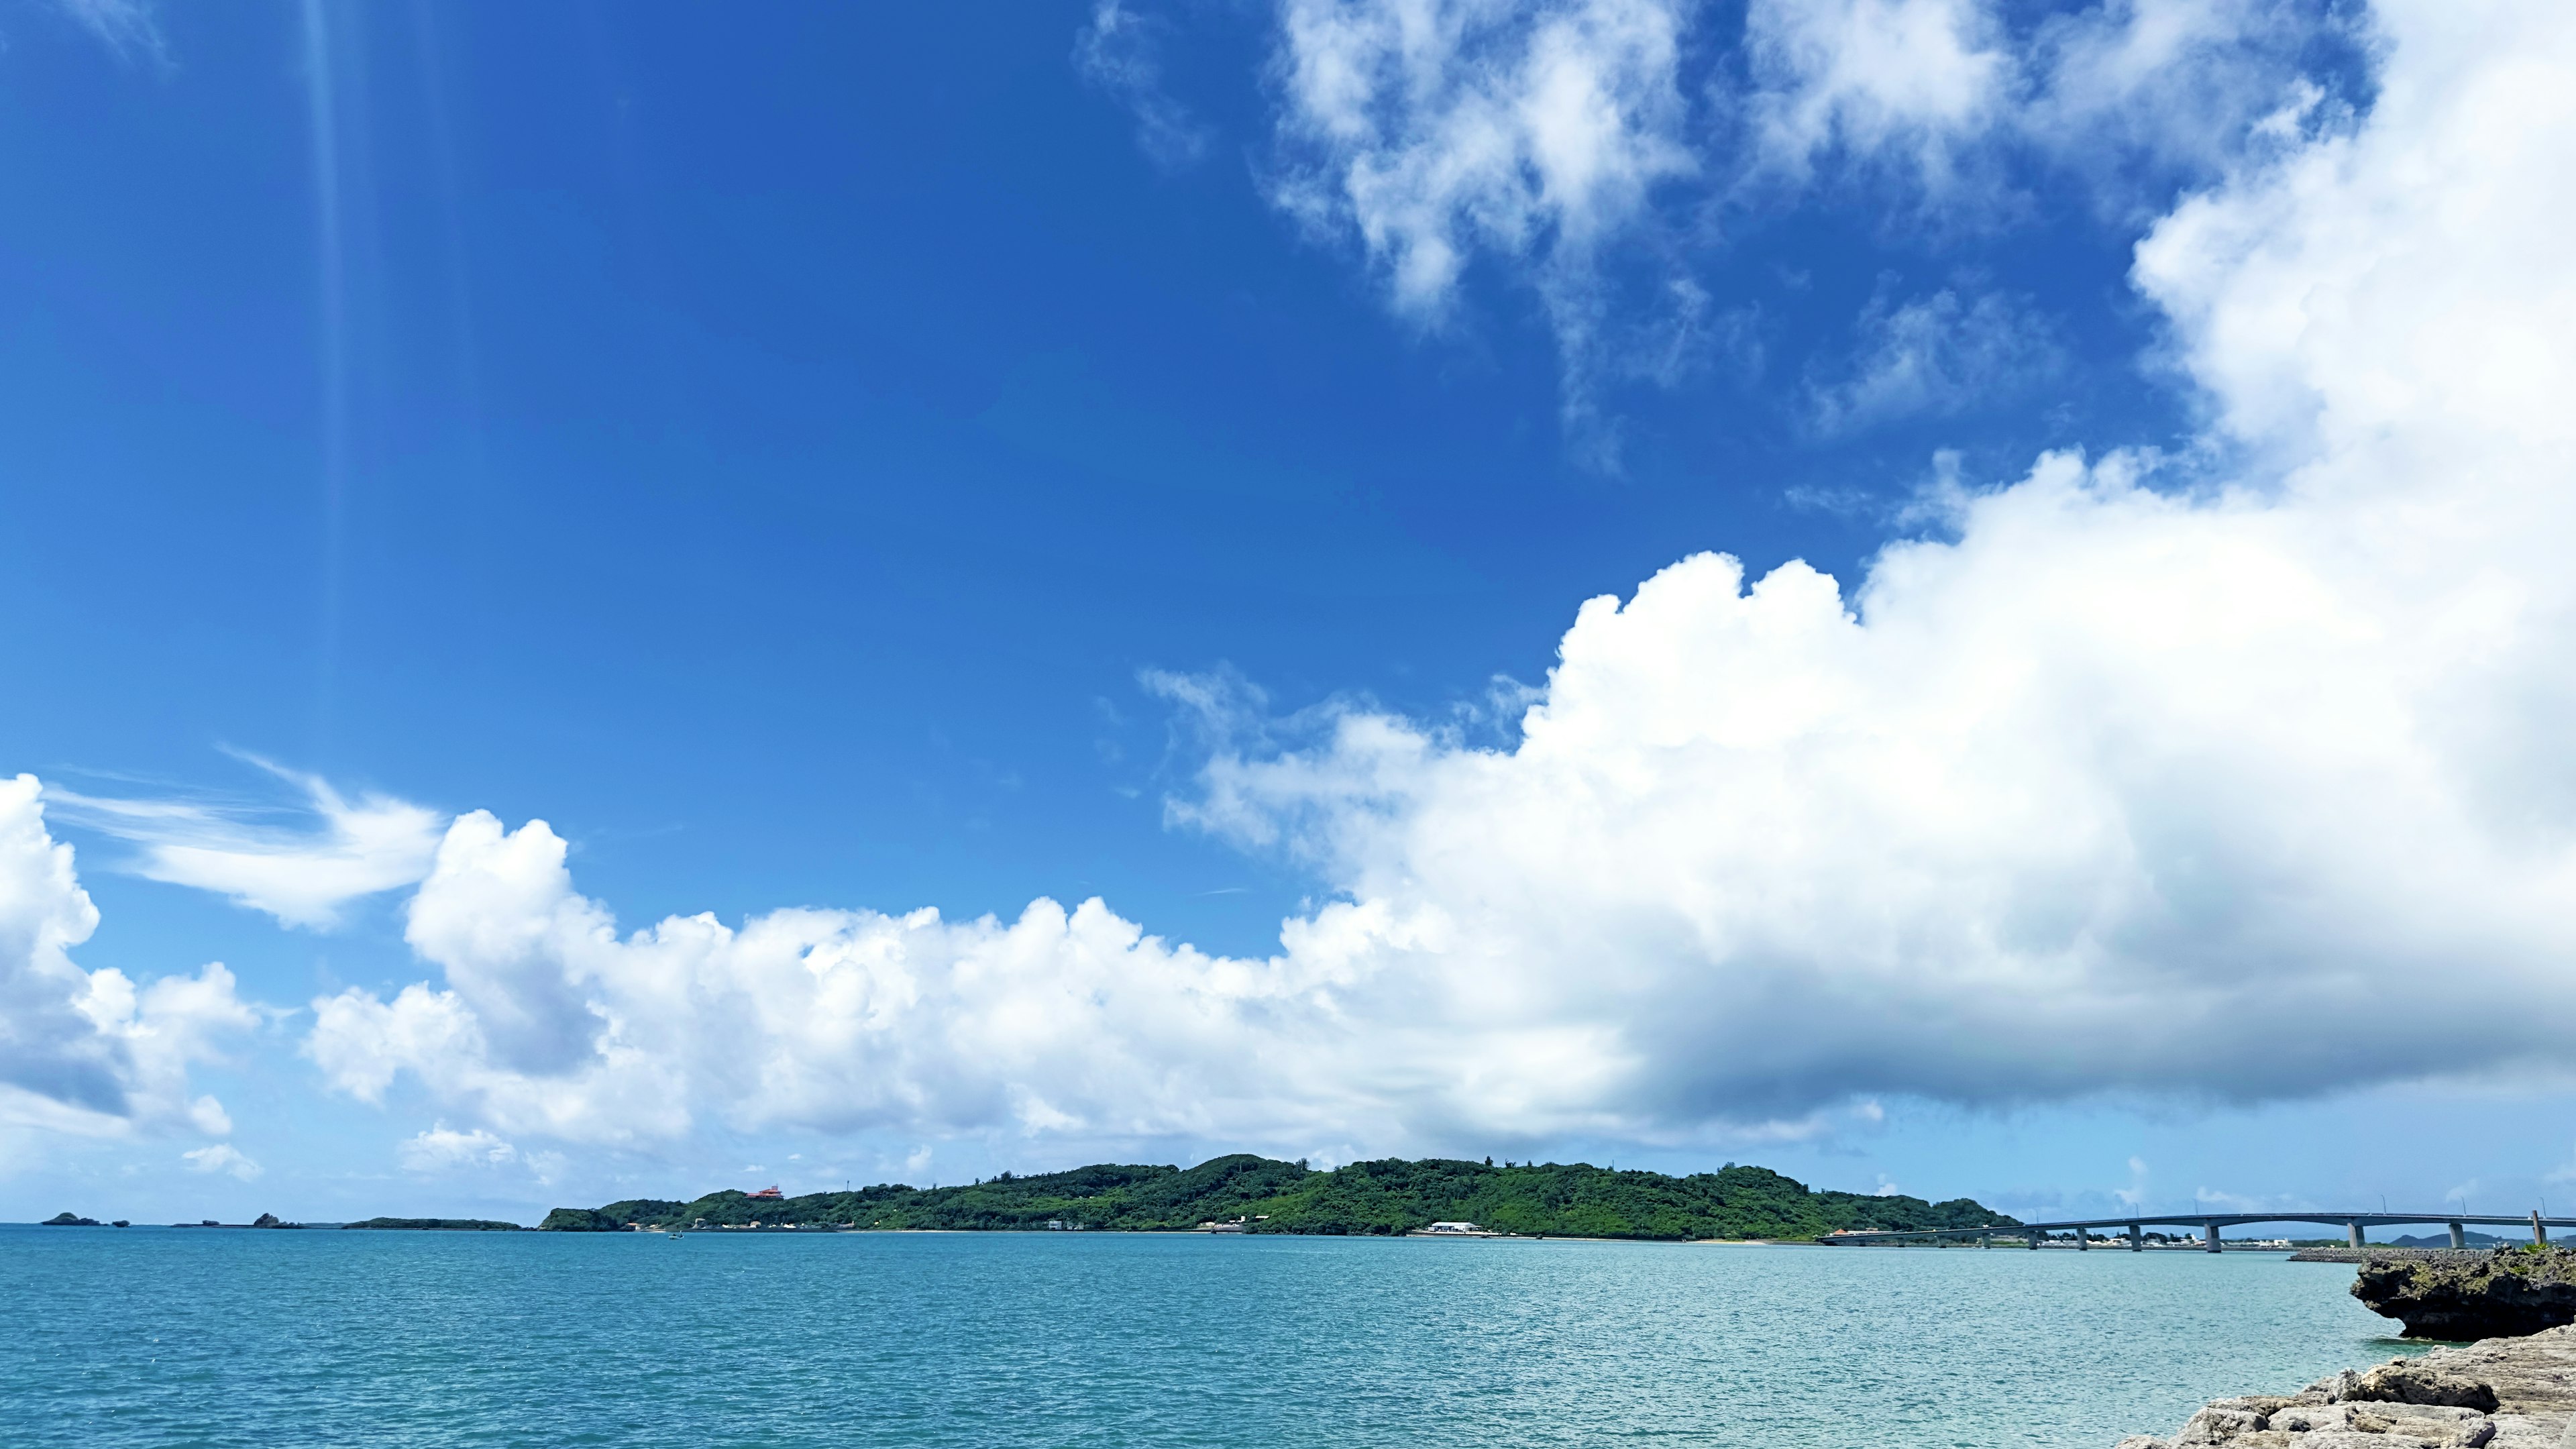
[(161, 1336)]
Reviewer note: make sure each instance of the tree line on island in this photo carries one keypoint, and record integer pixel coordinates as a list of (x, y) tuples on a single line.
[(1385, 1197)]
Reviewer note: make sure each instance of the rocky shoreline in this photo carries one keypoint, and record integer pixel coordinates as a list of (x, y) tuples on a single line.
[(2513, 1389), (2504, 1393), (2488, 1295), (2402, 1255)]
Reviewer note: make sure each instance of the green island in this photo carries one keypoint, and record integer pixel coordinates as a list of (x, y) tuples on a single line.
[(1382, 1198)]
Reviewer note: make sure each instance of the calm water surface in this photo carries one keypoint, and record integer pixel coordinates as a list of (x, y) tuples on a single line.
[(178, 1337)]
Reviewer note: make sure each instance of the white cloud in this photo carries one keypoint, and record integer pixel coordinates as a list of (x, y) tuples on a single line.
[(2095, 794), (2122, 785), (1433, 130), (2135, 1194), (127, 27), (444, 1149), (1118, 52), (551, 1023), (2174, 81), (1940, 355), (1556, 139), (302, 876), (89, 1051), (1867, 77), (1938, 89), (222, 1157)]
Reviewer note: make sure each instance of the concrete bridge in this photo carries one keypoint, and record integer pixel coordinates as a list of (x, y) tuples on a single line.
[(2209, 1224)]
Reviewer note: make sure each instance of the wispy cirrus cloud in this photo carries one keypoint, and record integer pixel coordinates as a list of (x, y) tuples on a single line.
[(127, 27), (302, 864), (1120, 52)]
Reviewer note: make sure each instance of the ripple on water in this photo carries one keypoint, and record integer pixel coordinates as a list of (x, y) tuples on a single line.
[(177, 1337)]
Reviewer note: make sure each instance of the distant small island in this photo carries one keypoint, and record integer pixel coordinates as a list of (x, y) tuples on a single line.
[(1262, 1195)]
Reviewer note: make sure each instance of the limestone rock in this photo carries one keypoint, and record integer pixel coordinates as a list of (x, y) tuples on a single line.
[(2508, 1292), (2504, 1393), (2407, 1382), (2218, 1425)]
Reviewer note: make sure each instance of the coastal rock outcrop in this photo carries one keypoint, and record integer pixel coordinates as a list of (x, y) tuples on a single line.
[(2504, 1393), (68, 1220), (2493, 1295)]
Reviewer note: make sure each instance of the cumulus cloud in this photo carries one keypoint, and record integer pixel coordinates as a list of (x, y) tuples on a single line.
[(2119, 782), (552, 1023), (2098, 791), (1118, 52), (1939, 355), (90, 1051), (222, 1157), (302, 875)]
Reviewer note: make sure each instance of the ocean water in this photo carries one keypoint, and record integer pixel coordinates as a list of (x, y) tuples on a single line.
[(166, 1336)]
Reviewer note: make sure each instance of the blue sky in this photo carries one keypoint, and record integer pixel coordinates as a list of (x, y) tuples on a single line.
[(949, 457)]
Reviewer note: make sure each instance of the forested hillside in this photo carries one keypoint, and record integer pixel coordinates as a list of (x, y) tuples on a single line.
[(1390, 1196)]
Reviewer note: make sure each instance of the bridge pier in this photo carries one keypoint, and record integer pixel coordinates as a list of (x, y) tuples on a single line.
[(1986, 1240), (2211, 1229), (2035, 1236), (2083, 1240), (2352, 1234), (2539, 1230), (2137, 1239), (2458, 1239)]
